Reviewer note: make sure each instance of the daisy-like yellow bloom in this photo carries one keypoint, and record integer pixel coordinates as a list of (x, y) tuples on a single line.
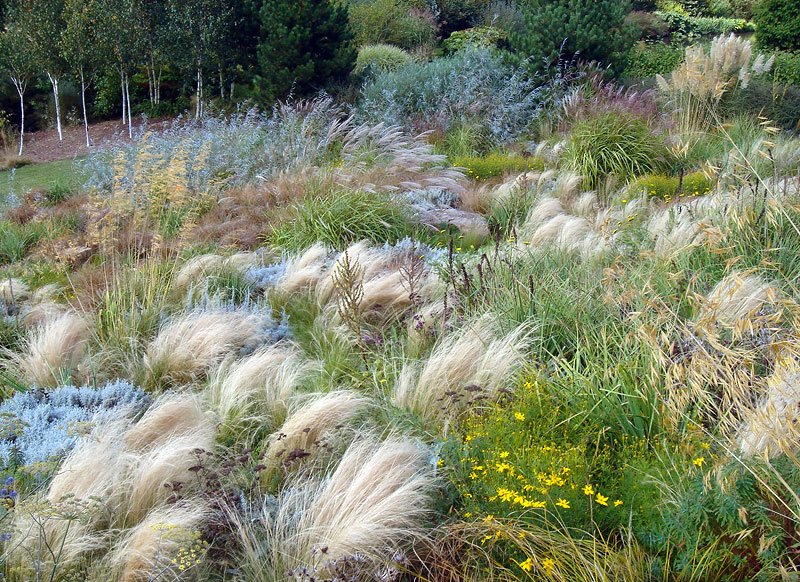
[(699, 461), (519, 416), (548, 564), (488, 519), (618, 502), (527, 565), (588, 490), (601, 499), (504, 455), (563, 503)]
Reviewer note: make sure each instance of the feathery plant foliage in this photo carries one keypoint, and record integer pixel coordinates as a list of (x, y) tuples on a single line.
[(612, 145), (341, 218)]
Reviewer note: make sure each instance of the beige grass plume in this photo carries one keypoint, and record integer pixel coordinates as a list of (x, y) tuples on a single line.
[(54, 350), (189, 345)]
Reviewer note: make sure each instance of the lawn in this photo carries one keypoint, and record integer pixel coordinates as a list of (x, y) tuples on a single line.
[(44, 176)]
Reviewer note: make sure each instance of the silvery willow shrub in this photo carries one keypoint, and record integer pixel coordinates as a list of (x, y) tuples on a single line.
[(241, 149), (476, 84), (38, 425)]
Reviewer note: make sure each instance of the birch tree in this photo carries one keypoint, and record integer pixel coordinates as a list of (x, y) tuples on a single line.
[(17, 63), (120, 34), (42, 22), (200, 27), (79, 46)]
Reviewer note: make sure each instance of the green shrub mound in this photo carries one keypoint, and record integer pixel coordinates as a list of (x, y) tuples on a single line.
[(374, 58), (778, 23)]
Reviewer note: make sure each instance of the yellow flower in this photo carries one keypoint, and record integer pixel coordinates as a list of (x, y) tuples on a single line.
[(601, 499), (547, 565), (706, 446), (563, 503), (504, 455), (488, 519), (519, 416), (527, 565), (618, 502), (473, 475), (698, 462), (588, 490)]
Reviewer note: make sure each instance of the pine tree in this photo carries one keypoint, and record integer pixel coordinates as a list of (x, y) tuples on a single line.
[(305, 44), (594, 30)]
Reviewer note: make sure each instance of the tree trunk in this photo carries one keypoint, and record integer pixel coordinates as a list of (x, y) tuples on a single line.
[(199, 106), (128, 99), (122, 90), (54, 83), (221, 85), (158, 84), (83, 104), (151, 74), (20, 86), (230, 93)]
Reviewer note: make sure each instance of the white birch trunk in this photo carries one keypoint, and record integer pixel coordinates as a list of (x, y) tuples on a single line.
[(54, 83), (83, 104), (122, 90), (20, 86), (199, 107), (128, 99)]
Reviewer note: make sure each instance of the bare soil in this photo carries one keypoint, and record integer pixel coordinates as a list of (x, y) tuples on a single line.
[(44, 146)]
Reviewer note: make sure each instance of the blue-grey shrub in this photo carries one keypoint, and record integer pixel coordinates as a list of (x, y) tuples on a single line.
[(240, 149), (39, 425), (475, 85)]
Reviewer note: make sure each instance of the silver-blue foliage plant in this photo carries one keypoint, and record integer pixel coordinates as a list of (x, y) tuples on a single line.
[(38, 425), (476, 85)]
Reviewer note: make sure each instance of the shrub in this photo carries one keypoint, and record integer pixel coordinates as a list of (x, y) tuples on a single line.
[(596, 31), (341, 218), (650, 25), (395, 22), (474, 85), (37, 425), (786, 70), (666, 187), (459, 14), (304, 46), (687, 28), (778, 23), (380, 58), (493, 165), (481, 36), (649, 60), (612, 144)]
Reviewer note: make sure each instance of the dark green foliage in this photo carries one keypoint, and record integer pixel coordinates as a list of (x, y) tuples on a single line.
[(786, 69), (305, 45), (780, 104), (649, 60), (685, 28), (778, 23), (460, 14), (596, 30)]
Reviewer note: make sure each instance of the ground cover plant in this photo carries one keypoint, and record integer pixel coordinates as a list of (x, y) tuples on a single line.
[(471, 317)]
